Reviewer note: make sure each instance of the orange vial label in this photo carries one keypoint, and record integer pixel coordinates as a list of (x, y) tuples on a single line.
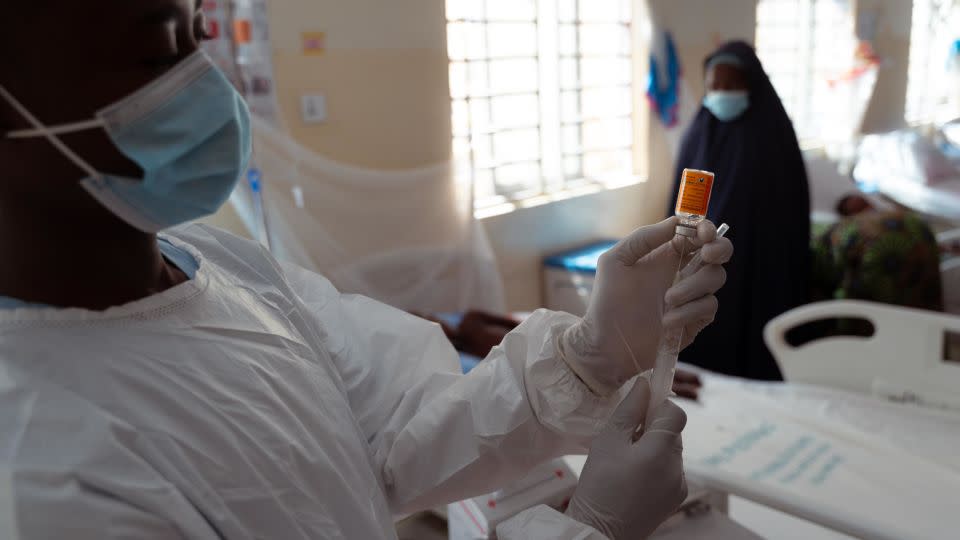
[(695, 190)]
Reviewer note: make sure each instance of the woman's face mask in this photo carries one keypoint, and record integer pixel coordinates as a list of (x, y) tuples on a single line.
[(727, 105), (727, 97)]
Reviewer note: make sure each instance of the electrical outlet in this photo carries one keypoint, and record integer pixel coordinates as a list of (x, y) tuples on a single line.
[(313, 109)]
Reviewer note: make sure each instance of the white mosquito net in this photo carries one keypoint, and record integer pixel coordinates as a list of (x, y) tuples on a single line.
[(406, 238)]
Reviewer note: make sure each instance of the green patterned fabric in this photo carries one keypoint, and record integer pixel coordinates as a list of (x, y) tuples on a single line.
[(888, 257)]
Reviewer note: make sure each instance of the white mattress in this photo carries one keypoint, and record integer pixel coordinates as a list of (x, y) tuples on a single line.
[(865, 467)]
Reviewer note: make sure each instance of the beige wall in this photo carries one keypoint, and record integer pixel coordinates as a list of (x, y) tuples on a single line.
[(384, 75)]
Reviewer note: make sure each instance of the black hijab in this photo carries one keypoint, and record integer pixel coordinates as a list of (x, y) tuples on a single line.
[(761, 192)]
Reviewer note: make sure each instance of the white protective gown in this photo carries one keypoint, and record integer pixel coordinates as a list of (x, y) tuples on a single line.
[(256, 402)]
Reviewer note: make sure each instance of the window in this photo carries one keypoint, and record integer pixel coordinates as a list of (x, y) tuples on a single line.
[(541, 95), (929, 78), (804, 45)]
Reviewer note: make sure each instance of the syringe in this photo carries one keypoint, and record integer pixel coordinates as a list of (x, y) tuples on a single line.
[(661, 380)]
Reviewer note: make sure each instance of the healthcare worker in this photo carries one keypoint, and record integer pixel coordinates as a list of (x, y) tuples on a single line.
[(186, 385)]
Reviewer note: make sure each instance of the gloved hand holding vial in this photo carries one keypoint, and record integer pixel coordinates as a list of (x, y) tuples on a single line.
[(635, 298)]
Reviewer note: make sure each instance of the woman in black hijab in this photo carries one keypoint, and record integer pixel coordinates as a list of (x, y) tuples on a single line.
[(742, 133)]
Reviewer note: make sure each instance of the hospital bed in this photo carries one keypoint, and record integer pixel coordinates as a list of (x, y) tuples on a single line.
[(949, 241), (860, 442), (904, 360), (861, 438)]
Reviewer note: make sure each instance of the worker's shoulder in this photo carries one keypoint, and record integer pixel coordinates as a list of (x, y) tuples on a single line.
[(205, 237), (225, 249), (250, 265), (249, 260)]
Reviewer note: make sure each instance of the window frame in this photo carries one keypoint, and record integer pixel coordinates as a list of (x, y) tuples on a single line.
[(560, 165), (807, 98), (920, 106)]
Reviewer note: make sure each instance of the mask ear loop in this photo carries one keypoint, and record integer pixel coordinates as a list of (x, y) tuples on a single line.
[(59, 130), (49, 134)]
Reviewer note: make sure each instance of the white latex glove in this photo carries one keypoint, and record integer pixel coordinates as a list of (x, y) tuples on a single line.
[(687, 304), (619, 335), (630, 486)]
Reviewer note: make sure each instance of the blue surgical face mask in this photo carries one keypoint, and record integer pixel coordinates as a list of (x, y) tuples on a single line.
[(727, 106), (189, 131)]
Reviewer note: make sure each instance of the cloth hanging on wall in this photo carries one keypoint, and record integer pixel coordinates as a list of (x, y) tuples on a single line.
[(663, 83)]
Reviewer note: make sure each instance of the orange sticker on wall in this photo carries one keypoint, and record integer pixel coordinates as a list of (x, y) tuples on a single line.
[(242, 31), (695, 190), (314, 43)]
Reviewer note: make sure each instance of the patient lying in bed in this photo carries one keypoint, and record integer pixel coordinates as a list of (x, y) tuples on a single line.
[(891, 257)]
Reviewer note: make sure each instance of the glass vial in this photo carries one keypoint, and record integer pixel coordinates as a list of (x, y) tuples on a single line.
[(693, 200)]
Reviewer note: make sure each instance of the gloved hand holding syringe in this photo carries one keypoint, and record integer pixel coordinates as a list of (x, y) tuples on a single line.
[(630, 484), (661, 379), (693, 201)]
